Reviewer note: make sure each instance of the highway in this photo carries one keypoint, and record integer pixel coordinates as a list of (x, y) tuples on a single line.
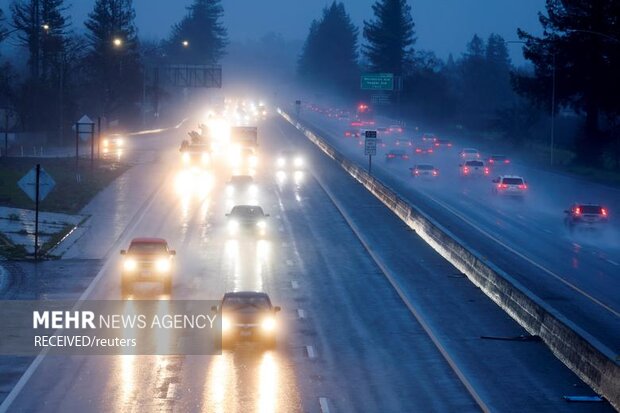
[(576, 274), (348, 341)]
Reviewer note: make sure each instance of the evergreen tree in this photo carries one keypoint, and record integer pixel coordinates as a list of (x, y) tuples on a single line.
[(329, 55), (113, 62), (581, 44), (389, 37), (200, 37)]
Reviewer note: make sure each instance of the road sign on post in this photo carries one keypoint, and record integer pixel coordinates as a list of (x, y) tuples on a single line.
[(37, 184), (84, 130), (370, 146), (377, 81)]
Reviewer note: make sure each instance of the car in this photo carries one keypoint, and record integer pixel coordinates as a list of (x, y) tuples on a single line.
[(509, 185), (289, 160), (470, 153), (443, 143), (247, 316), (498, 160), (474, 167), (429, 137), (425, 149), (147, 260), (396, 129), (352, 133), (241, 185), (403, 142), (249, 219), (113, 141), (195, 155), (589, 216), (394, 154), (424, 171)]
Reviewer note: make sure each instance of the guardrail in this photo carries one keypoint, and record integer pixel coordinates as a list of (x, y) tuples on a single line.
[(593, 362)]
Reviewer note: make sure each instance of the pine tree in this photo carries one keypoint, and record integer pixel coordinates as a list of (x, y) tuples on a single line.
[(113, 62), (581, 44), (329, 55), (200, 37), (389, 37)]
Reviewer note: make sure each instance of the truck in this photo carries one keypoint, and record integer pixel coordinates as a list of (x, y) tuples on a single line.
[(244, 136)]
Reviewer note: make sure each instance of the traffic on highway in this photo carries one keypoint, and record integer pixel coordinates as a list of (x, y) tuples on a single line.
[(204, 209)]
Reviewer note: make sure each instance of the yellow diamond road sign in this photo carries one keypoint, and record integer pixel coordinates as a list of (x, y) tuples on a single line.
[(28, 184)]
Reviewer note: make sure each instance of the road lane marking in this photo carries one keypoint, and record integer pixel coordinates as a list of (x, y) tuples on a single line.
[(310, 351), (23, 380), (526, 258), (301, 313), (612, 262), (295, 285), (172, 389), (324, 404)]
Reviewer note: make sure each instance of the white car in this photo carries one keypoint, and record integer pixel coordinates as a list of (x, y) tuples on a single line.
[(509, 185), (474, 167), (470, 153), (291, 161)]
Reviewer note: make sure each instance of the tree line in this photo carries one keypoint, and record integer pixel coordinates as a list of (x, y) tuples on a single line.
[(103, 70), (572, 68)]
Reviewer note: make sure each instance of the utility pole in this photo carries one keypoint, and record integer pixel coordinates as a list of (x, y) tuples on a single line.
[(552, 107)]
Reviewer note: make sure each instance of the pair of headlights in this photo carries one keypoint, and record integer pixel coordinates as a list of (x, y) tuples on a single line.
[(204, 158), (233, 225), (252, 189), (268, 324), (161, 265), (298, 162)]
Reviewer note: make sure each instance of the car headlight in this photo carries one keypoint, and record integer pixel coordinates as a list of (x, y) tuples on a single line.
[(186, 157), (105, 143), (269, 324), (162, 265), (130, 264), (120, 142), (261, 224), (225, 323), (298, 162), (233, 226), (281, 162)]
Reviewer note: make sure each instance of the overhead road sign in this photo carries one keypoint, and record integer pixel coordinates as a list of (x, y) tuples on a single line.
[(377, 81)]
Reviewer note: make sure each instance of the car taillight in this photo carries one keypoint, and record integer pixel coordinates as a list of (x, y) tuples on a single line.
[(522, 186), (436, 144), (603, 212), (465, 170), (416, 172), (577, 211), (486, 171), (502, 186), (391, 156), (418, 150), (435, 173), (491, 161), (430, 151), (507, 161), (405, 156)]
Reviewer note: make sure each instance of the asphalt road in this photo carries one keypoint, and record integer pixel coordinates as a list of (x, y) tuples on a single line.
[(576, 274), (347, 340)]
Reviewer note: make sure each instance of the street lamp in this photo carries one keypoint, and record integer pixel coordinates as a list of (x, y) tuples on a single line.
[(185, 43), (117, 42)]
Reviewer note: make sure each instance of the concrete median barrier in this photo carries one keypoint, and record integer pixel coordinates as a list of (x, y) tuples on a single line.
[(593, 362)]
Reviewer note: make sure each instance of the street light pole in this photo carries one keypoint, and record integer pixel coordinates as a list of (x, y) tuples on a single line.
[(552, 107)]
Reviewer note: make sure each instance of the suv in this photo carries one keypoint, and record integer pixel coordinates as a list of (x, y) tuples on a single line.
[(586, 215), (470, 153), (474, 168), (509, 185), (248, 218), (247, 315), (147, 259)]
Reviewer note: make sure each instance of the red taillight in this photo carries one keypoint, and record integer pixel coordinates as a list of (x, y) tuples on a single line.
[(391, 155), (486, 171), (491, 161), (347, 134), (430, 151), (435, 173), (502, 186), (436, 144), (603, 212), (405, 156), (507, 161), (577, 211), (450, 145), (416, 172), (522, 186), (418, 150), (465, 170)]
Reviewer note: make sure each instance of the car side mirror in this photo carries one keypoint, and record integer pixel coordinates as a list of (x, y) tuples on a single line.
[(123, 252), (214, 308), (277, 309), (173, 252)]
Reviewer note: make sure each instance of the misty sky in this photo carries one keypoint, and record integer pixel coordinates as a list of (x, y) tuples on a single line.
[(443, 26)]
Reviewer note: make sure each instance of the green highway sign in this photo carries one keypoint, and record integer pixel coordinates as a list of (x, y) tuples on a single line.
[(377, 81)]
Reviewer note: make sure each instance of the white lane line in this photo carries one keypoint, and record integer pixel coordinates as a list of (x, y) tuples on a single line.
[(289, 263), (295, 285), (310, 351), (526, 258), (613, 262), (172, 389), (301, 313), (23, 380), (324, 404)]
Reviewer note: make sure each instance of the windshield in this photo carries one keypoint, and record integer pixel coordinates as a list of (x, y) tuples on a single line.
[(247, 212), (426, 167), (591, 209), (233, 303), (241, 180), (512, 181), (147, 248), (474, 163)]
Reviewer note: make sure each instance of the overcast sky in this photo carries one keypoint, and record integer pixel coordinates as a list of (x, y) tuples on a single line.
[(443, 26)]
